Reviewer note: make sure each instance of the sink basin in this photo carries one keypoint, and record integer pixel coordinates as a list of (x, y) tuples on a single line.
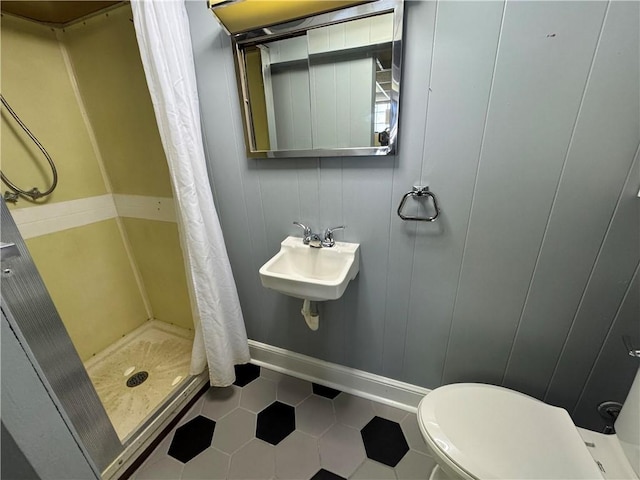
[(317, 274)]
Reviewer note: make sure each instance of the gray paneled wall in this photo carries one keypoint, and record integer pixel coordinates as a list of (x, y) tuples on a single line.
[(524, 118)]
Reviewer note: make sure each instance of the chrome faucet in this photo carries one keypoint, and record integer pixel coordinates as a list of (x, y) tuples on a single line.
[(328, 236), (314, 240), (309, 238)]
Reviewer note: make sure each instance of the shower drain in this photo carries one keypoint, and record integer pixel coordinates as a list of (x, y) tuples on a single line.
[(137, 378)]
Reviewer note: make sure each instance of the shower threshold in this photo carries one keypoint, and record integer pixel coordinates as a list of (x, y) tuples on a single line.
[(145, 436)]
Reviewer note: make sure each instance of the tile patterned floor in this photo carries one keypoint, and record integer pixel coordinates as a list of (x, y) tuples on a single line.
[(273, 426)]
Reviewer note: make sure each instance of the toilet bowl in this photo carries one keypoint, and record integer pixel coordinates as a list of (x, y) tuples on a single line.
[(477, 431)]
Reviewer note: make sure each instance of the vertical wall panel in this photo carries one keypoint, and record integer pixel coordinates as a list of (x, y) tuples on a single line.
[(419, 16), (16, 464), (333, 316), (607, 128), (609, 280), (614, 369), (366, 212), (309, 192), (292, 107), (464, 58), (320, 190), (342, 104), (394, 318), (543, 61), (281, 206)]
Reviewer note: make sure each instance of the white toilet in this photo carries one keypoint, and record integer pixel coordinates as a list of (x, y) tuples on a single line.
[(477, 431)]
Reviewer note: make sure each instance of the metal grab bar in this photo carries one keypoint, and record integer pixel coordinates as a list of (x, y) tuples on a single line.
[(419, 191)]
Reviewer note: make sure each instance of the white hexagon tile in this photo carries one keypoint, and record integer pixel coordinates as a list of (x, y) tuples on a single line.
[(272, 426)]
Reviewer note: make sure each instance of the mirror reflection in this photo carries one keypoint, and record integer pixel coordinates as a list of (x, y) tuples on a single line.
[(328, 87)]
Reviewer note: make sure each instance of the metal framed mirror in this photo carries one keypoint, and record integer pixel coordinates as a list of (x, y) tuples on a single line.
[(327, 85)]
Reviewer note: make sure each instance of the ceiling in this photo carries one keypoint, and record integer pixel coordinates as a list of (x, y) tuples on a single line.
[(54, 12)]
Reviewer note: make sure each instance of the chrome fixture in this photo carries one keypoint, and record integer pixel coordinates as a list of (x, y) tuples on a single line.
[(314, 240), (34, 193), (284, 53), (419, 191), (307, 232), (328, 236), (309, 238), (634, 351), (9, 250)]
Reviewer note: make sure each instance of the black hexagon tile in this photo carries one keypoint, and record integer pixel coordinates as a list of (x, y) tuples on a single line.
[(246, 373), (325, 391), (275, 423), (192, 438), (384, 441), (326, 475)]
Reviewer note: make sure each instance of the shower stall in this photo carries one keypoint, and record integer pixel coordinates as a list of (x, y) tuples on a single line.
[(97, 280)]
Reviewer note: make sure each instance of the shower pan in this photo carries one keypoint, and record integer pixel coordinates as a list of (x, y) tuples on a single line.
[(134, 375)]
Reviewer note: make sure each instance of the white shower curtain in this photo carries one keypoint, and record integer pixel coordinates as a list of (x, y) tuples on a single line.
[(162, 29)]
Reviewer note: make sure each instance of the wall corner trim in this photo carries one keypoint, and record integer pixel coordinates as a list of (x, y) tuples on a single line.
[(350, 380)]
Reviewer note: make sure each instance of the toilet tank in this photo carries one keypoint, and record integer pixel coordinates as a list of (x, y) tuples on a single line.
[(628, 425)]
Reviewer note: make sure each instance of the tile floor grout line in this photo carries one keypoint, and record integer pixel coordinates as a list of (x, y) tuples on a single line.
[(347, 418)]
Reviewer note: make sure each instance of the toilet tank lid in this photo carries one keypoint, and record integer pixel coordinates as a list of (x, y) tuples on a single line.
[(495, 433)]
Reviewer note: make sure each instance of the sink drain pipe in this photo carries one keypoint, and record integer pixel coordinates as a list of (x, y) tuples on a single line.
[(310, 313)]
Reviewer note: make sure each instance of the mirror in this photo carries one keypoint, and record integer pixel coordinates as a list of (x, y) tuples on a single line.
[(327, 85)]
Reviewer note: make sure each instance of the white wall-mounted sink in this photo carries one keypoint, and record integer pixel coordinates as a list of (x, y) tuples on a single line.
[(315, 274)]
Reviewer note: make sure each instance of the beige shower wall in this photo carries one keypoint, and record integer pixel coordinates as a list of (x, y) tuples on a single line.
[(106, 62), (85, 268), (98, 274), (36, 83), (89, 276), (156, 247)]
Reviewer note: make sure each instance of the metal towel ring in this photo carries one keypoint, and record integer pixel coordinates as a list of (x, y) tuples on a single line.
[(419, 191)]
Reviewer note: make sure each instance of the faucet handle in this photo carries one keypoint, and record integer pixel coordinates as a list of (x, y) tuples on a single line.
[(328, 236), (307, 232)]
